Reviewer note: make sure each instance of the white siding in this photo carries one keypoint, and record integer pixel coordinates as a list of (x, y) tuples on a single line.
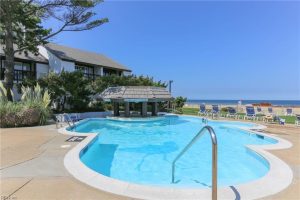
[(41, 70), (68, 66), (57, 65), (54, 63), (43, 51)]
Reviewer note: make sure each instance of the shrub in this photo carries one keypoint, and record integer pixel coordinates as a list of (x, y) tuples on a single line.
[(178, 111), (224, 109), (70, 88), (108, 106), (179, 101), (33, 109)]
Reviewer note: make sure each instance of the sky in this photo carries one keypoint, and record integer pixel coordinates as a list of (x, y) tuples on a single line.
[(211, 50)]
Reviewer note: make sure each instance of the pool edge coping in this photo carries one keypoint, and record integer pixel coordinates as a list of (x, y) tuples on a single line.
[(277, 179)]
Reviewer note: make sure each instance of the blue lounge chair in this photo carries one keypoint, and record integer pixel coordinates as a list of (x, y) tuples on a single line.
[(202, 110), (232, 112), (280, 120), (289, 112), (250, 113), (258, 109), (270, 110), (215, 111)]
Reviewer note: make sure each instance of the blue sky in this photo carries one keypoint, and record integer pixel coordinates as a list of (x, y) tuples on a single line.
[(212, 50)]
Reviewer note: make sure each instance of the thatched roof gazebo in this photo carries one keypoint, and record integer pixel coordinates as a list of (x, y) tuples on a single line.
[(135, 94)]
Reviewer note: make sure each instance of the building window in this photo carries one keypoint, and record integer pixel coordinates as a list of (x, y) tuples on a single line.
[(107, 72), (22, 70), (86, 70)]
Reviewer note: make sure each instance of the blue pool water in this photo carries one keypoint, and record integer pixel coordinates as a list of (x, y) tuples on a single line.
[(142, 152)]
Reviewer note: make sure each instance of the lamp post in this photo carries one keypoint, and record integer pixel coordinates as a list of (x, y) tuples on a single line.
[(170, 85), (170, 90)]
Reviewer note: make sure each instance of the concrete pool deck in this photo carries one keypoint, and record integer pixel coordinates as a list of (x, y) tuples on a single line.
[(32, 165)]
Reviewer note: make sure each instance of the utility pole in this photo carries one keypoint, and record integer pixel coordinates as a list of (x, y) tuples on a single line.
[(170, 90), (170, 86)]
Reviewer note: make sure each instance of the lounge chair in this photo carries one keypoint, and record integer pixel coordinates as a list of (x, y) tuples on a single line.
[(289, 112), (215, 111), (281, 121), (250, 113), (297, 121), (270, 110), (258, 109), (202, 110), (232, 112)]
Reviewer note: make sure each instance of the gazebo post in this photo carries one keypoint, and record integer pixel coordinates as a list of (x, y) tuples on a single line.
[(154, 109), (127, 109), (116, 109), (144, 109)]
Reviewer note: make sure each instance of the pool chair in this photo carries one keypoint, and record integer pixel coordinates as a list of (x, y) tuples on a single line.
[(289, 112), (297, 121), (250, 113), (215, 111), (270, 110), (232, 113), (202, 110), (259, 110), (281, 121)]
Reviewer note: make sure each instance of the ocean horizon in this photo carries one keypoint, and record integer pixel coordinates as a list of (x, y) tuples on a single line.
[(244, 102)]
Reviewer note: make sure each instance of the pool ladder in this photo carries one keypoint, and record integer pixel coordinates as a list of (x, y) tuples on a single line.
[(69, 120), (214, 157)]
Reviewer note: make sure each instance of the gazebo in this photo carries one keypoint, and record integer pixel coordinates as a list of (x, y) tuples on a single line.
[(143, 95)]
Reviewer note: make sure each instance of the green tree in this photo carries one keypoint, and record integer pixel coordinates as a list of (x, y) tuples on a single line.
[(64, 90), (77, 93), (21, 27), (179, 101)]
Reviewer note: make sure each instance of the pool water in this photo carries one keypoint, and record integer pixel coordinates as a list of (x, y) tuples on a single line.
[(142, 152)]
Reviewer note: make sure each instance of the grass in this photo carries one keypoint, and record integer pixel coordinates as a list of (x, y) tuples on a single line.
[(194, 111), (289, 119), (190, 111)]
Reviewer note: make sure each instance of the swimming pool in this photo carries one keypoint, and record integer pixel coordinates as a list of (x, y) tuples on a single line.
[(142, 151)]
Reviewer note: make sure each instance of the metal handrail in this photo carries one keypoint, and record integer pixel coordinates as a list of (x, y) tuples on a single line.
[(69, 120), (214, 157)]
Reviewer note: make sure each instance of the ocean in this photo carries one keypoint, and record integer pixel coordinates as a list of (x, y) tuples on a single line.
[(244, 102)]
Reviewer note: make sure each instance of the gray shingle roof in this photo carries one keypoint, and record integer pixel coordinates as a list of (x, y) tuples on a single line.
[(30, 56), (135, 92), (77, 55)]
